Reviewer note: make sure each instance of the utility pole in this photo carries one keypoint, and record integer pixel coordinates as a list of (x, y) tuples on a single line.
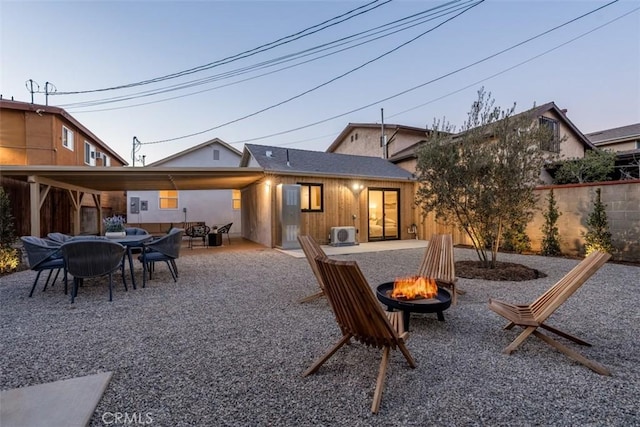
[(134, 150), (29, 84), (383, 137)]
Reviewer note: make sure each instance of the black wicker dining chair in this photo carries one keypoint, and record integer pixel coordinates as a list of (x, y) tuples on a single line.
[(87, 258), (165, 249), (43, 255), (225, 230)]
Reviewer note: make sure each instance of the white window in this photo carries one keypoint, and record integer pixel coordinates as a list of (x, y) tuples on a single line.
[(106, 160), (168, 199), (89, 154), (235, 199), (67, 138), (216, 154)]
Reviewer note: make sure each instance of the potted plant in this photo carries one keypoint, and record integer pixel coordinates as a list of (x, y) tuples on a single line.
[(114, 226)]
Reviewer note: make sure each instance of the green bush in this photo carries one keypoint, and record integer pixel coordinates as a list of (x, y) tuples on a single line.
[(9, 260), (551, 236), (598, 236), (515, 238)]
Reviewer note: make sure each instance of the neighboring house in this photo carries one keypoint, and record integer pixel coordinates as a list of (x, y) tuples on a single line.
[(366, 139), (309, 192), (568, 141), (625, 141), (213, 207), (32, 134), (624, 138)]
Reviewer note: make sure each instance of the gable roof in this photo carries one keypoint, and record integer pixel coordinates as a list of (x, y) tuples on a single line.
[(351, 126), (409, 152), (39, 109), (291, 161), (609, 136), (195, 148)]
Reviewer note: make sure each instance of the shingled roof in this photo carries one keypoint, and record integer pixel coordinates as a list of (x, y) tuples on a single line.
[(305, 162), (616, 134)]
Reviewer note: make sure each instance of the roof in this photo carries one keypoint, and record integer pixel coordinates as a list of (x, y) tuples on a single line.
[(195, 148), (39, 109), (319, 163), (129, 178), (351, 126), (409, 152), (609, 136)]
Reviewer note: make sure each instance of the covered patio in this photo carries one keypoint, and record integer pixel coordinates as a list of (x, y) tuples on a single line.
[(227, 345)]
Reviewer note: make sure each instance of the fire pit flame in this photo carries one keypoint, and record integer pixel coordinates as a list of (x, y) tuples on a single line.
[(414, 287)]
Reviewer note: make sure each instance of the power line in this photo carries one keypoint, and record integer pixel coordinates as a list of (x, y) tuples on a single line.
[(254, 51), (429, 82), (516, 65), (318, 86), (377, 33)]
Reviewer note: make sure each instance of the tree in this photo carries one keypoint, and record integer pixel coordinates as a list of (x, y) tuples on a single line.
[(551, 236), (482, 179), (595, 166), (598, 236)]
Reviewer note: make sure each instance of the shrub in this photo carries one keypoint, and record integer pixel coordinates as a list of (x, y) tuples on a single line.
[(598, 236), (9, 259), (551, 236)]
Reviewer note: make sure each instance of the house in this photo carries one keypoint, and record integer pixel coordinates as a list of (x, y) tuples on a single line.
[(625, 141), (31, 135), (403, 141), (372, 139), (148, 209), (313, 192), (624, 138)]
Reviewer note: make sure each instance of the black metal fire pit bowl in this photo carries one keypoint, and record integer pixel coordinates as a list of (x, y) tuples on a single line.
[(433, 305)]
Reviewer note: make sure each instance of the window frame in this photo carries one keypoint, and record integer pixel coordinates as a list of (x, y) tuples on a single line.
[(552, 146), (67, 138), (308, 186), (88, 149), (167, 197), (236, 203)]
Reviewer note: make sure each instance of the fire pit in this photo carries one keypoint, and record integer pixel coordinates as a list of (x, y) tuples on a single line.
[(436, 304)]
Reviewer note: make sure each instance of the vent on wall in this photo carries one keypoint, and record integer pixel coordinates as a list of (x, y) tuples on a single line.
[(342, 236)]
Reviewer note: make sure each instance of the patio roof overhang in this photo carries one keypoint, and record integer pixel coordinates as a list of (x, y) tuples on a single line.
[(96, 179)]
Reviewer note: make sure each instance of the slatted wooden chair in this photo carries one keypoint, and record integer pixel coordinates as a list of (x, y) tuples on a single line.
[(438, 263), (533, 316), (311, 250), (360, 317)]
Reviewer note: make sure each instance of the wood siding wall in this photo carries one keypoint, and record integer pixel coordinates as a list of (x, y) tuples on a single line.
[(340, 203)]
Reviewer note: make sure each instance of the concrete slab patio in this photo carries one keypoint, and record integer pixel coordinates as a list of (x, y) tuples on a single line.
[(66, 403)]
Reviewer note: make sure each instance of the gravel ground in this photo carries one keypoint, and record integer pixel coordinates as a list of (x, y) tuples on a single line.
[(227, 345)]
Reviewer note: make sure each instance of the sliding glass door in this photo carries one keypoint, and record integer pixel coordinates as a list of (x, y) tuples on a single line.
[(384, 214)]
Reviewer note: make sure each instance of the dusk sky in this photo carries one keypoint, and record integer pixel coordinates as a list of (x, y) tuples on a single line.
[(266, 80)]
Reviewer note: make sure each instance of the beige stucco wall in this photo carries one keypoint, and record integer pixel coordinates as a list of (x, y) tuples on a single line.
[(367, 142), (619, 146)]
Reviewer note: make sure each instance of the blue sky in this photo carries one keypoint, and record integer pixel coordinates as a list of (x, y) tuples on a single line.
[(90, 45)]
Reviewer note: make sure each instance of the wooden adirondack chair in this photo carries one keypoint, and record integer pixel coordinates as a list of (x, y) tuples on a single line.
[(438, 263), (360, 317), (533, 316), (311, 250)]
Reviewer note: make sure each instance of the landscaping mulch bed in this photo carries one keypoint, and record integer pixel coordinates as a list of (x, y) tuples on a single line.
[(502, 271)]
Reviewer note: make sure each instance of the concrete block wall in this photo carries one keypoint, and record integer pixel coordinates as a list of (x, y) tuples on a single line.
[(575, 203)]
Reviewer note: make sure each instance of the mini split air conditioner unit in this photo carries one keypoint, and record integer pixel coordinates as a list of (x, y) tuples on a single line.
[(342, 236)]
